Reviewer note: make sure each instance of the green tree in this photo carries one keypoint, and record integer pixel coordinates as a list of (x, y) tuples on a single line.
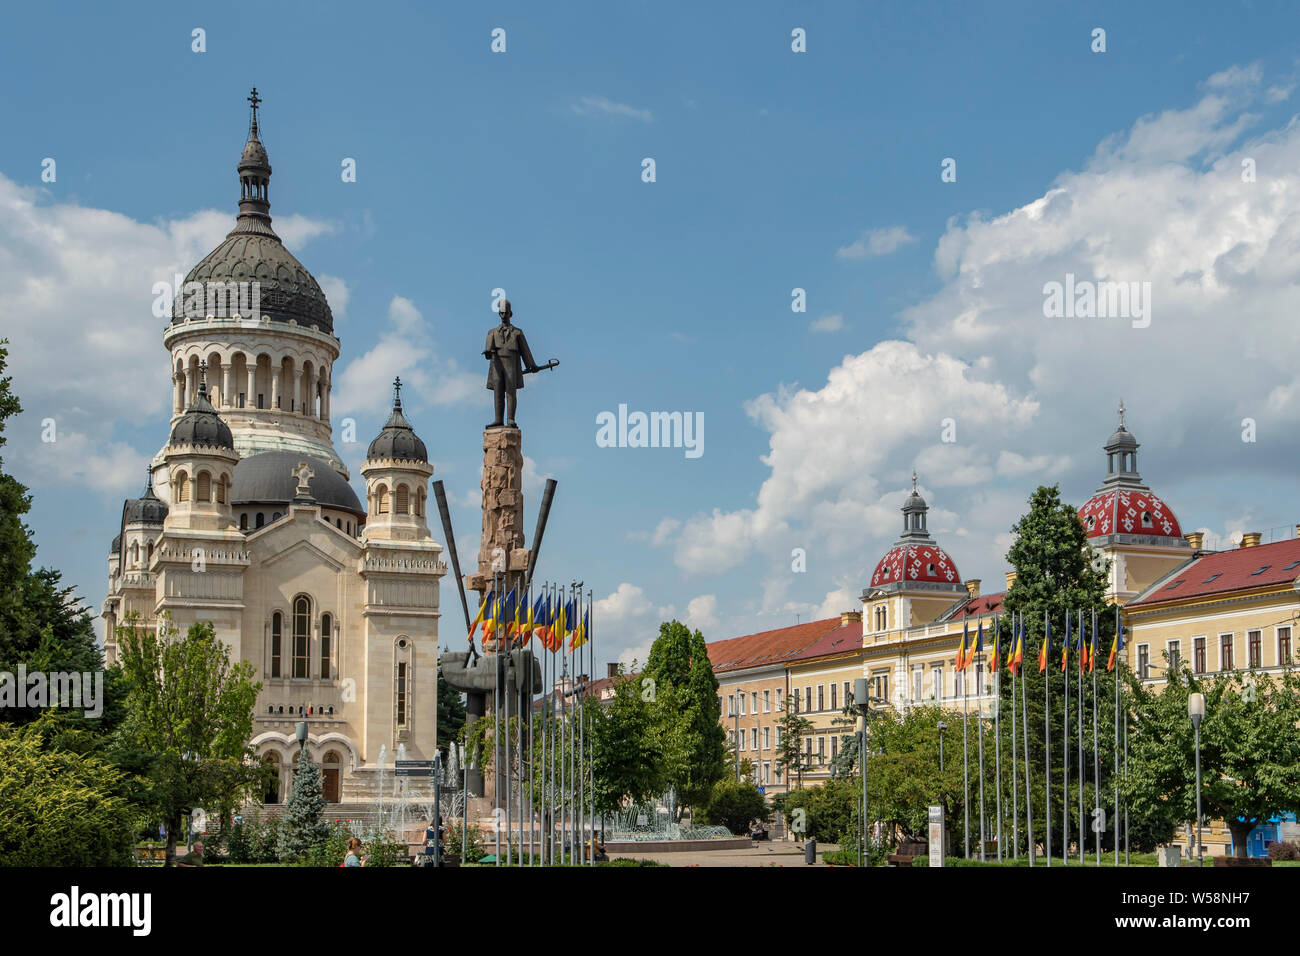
[(733, 804), (16, 547), (791, 759), (451, 712), (1250, 750), (190, 715), (303, 830), (903, 775), (829, 810), (627, 761), (684, 714)]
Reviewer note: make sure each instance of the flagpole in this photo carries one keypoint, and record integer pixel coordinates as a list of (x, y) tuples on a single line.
[(1015, 794), (496, 728), (965, 751), (997, 728), (1024, 730), (1126, 843), (1083, 843), (1096, 757), (1047, 726), (979, 739), (1065, 740), (1115, 754), (545, 696), (591, 738), (503, 648)]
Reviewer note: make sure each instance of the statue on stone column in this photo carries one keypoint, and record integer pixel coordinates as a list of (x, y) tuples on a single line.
[(509, 360)]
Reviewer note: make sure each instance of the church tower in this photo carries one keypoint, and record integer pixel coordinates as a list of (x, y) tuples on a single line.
[(1126, 522), (397, 473), (251, 324)]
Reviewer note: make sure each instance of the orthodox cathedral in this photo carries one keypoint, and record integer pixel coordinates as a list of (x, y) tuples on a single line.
[(247, 519)]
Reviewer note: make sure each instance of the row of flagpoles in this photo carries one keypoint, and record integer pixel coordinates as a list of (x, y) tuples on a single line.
[(1084, 641), (547, 777)]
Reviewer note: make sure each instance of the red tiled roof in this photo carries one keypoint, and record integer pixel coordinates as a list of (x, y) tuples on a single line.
[(1225, 571), (767, 647), (983, 605), (837, 641)]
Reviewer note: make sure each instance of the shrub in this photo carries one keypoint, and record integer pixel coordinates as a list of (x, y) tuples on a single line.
[(332, 850), (732, 804), (387, 853), (626, 861), (1283, 850)]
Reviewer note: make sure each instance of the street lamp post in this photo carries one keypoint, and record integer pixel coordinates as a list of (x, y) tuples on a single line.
[(302, 736), (942, 728), (1196, 711)]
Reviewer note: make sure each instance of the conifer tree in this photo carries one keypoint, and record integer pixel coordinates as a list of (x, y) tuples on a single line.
[(303, 829)]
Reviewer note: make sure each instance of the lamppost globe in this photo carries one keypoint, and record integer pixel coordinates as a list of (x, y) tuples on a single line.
[(302, 735), (1196, 707), (1196, 711)]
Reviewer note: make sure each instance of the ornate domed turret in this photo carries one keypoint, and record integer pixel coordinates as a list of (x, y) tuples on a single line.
[(915, 558), (397, 440), (252, 252), (201, 425), (1123, 504), (148, 509)]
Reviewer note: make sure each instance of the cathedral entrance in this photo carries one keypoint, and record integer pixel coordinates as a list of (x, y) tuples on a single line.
[(330, 777)]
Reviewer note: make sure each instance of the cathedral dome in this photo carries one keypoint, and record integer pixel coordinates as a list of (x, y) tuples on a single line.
[(201, 425), (116, 545), (252, 252), (397, 440), (915, 558), (149, 509), (269, 479), (1124, 504)]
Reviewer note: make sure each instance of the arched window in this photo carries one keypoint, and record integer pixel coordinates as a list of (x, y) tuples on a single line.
[(401, 504), (243, 521), (326, 633), (277, 631), (182, 483), (204, 492), (221, 490), (276, 516), (301, 637), (402, 683), (272, 794), (330, 768), (381, 502), (420, 504), (148, 554), (135, 554), (261, 519)]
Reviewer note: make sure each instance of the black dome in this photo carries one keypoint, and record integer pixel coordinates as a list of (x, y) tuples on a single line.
[(268, 479), (116, 545), (201, 425), (398, 440), (149, 509)]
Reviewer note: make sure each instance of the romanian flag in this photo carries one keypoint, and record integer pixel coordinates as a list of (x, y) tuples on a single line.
[(1018, 653), (960, 662), (1116, 645), (580, 632), (979, 644), (1065, 645), (1042, 652), (536, 626), (560, 625), (478, 618), (993, 658), (1092, 651)]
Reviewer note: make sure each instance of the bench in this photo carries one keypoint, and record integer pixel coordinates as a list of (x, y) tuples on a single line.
[(1241, 861)]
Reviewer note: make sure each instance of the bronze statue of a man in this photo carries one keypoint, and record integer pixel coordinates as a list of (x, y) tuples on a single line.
[(509, 358)]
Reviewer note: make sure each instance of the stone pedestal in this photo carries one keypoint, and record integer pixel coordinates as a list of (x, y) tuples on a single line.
[(501, 556)]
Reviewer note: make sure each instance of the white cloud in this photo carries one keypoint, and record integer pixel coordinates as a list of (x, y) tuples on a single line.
[(602, 106), (876, 242), (827, 323), (702, 613), (405, 348), (336, 293)]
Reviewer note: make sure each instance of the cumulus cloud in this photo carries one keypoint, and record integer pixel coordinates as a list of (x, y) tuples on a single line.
[(405, 348), (876, 242), (827, 323)]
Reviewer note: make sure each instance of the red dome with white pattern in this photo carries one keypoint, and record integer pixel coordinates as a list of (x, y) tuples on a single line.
[(911, 563), (1128, 511)]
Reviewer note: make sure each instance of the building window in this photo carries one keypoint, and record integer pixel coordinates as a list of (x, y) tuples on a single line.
[(1198, 655), (753, 702), (740, 703), (402, 500), (301, 637), (821, 696), (918, 676), (401, 693), (767, 701), (381, 504), (1225, 652), (261, 519), (243, 521), (326, 633), (807, 698), (221, 490), (848, 695), (1255, 641), (882, 686), (821, 749), (1175, 655), (1144, 661), (778, 699), (731, 705), (835, 747), (204, 492), (767, 738), (182, 483), (767, 771), (834, 703), (959, 683), (753, 738), (979, 677), (260, 400), (936, 681), (1283, 646), (277, 627)]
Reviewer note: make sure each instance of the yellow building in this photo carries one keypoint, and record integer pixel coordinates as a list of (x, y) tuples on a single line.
[(821, 685)]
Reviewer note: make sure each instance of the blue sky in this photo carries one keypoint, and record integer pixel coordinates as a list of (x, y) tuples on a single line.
[(775, 170)]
